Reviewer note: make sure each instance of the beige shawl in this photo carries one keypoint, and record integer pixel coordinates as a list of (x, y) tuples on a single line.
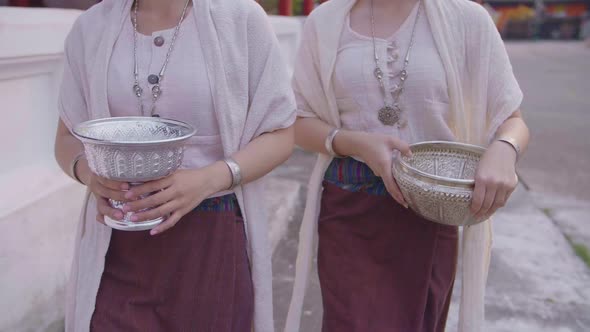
[(251, 96), (482, 95)]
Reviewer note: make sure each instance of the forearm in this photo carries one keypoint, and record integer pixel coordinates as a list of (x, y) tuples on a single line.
[(265, 153), (258, 158), (67, 147), (311, 134), (515, 128)]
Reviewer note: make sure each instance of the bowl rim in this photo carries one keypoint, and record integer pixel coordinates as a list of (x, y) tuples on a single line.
[(436, 178), (87, 139)]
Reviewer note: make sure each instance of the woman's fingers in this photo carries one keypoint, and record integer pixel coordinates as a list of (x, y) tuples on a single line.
[(499, 200), (509, 193), (157, 212), (116, 195), (104, 209), (148, 187), (167, 224), (393, 188), (111, 184), (150, 201), (485, 203), (504, 191), (401, 146), (479, 194)]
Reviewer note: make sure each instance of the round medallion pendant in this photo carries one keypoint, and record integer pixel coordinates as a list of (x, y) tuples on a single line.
[(153, 79), (389, 115)]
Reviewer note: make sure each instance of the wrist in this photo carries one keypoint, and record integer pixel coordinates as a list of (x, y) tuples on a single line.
[(507, 150), (344, 143), (512, 143), (219, 177), (82, 171)]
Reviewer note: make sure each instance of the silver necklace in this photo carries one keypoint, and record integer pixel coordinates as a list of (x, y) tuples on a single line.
[(390, 114), (156, 80)]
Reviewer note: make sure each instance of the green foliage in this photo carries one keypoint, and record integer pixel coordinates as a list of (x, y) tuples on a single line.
[(582, 252), (271, 6)]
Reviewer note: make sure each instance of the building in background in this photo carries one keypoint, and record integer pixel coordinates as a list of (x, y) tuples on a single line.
[(77, 4), (515, 19)]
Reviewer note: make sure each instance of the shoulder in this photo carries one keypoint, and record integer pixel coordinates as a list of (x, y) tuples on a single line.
[(90, 24), (473, 15), (329, 11), (237, 11), (325, 11), (95, 16)]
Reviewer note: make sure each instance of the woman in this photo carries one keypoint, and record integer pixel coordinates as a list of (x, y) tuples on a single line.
[(218, 67), (372, 77)]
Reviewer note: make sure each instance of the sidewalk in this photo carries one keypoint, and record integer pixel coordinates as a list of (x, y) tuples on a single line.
[(536, 281)]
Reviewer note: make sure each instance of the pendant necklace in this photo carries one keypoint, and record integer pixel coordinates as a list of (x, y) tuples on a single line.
[(153, 79), (390, 114)]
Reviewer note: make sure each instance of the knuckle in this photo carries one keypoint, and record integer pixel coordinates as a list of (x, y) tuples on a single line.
[(511, 183), (483, 179), (149, 188), (98, 191), (490, 181), (134, 206), (160, 211), (111, 194)]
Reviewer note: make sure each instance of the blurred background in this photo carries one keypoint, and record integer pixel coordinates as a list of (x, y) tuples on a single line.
[(540, 273)]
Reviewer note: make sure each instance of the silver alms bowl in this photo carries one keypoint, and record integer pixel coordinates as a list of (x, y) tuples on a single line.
[(134, 149), (437, 182)]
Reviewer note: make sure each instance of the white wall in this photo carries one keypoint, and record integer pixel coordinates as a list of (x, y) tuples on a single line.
[(39, 205)]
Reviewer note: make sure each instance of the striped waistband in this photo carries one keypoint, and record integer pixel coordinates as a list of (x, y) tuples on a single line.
[(353, 175), (226, 203)]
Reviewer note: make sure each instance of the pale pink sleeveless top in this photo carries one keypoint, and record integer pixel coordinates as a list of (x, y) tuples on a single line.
[(186, 93), (425, 100)]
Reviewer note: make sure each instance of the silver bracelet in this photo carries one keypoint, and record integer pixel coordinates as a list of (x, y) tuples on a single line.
[(73, 164), (329, 143), (236, 172), (512, 142)]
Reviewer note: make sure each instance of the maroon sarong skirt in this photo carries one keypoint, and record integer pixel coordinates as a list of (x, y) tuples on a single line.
[(382, 268), (193, 277)]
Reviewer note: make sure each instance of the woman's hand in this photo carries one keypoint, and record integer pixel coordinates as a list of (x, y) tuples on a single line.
[(176, 195), (377, 151), (103, 189), (495, 179)]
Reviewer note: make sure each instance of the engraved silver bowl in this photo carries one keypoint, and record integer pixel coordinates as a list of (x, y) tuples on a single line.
[(438, 180), (134, 150)]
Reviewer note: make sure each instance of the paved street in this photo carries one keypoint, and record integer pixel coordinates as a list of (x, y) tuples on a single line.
[(555, 78), (536, 281)]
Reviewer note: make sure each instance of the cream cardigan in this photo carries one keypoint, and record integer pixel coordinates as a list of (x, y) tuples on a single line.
[(476, 66), (251, 96)]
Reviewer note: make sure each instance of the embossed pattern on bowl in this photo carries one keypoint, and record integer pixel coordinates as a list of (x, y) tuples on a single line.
[(437, 182), (134, 149)]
